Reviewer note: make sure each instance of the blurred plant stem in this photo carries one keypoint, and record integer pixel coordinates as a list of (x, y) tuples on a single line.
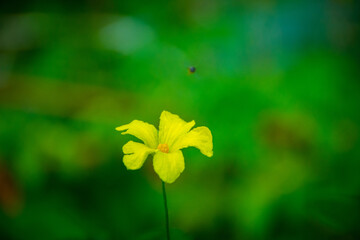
[(166, 212)]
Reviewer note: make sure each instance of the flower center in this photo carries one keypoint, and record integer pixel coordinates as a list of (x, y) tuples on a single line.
[(163, 147)]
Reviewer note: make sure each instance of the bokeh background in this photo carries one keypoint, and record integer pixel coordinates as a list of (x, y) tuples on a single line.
[(277, 82)]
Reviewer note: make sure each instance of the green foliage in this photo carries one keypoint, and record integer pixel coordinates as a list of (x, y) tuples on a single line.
[(276, 82)]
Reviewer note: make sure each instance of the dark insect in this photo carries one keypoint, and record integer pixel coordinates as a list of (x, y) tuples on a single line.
[(191, 69)]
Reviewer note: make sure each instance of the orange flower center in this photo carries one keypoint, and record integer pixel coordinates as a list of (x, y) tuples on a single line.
[(163, 147)]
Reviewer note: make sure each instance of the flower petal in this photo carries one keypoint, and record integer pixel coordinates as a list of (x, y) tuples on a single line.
[(200, 138), (142, 130), (169, 165), (172, 127), (136, 154)]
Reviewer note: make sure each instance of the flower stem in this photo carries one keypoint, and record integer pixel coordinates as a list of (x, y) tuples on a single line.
[(166, 211)]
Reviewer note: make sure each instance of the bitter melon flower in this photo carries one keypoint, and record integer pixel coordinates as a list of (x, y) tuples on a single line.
[(174, 134)]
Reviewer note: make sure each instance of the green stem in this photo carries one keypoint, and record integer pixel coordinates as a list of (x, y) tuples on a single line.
[(166, 212)]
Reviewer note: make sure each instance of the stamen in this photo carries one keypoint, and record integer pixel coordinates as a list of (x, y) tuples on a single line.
[(163, 147)]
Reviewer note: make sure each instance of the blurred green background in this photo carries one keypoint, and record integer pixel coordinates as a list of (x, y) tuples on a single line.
[(277, 82)]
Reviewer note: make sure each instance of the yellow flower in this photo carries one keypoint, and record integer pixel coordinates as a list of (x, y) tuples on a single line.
[(174, 134)]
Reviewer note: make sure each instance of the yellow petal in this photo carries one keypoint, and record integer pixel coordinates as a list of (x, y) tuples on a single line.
[(142, 130), (200, 138), (136, 154), (172, 127), (169, 165)]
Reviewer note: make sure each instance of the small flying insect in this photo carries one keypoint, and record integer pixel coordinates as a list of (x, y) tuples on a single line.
[(191, 69)]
